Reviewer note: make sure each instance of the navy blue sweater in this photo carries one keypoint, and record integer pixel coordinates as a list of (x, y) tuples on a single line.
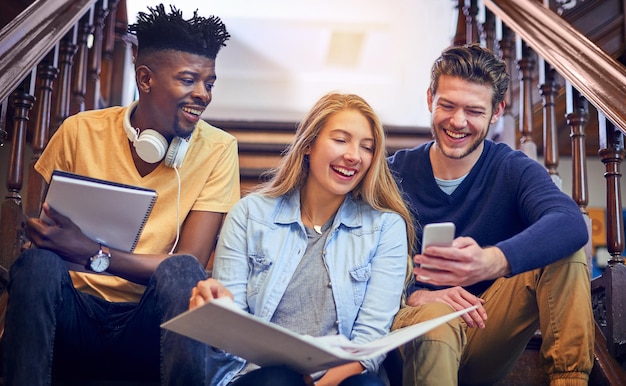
[(507, 200)]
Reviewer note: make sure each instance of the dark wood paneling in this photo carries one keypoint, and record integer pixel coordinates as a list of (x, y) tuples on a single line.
[(9, 9)]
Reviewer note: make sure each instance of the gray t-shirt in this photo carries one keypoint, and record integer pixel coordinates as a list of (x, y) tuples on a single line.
[(308, 306)]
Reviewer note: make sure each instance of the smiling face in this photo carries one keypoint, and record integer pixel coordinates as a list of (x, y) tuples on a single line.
[(340, 156), (461, 115), (175, 88)]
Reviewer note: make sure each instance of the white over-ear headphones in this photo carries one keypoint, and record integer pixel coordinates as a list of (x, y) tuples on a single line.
[(151, 146)]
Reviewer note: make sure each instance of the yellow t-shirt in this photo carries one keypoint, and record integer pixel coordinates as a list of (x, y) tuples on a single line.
[(95, 144)]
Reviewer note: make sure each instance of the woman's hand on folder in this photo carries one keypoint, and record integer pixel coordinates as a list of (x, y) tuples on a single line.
[(207, 290)]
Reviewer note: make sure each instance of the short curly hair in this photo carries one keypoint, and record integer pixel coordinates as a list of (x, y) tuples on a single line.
[(157, 31)]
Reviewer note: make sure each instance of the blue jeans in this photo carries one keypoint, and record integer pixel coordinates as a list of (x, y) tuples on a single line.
[(54, 331), (284, 376)]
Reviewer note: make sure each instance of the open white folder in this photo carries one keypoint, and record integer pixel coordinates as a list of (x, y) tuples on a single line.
[(221, 324)]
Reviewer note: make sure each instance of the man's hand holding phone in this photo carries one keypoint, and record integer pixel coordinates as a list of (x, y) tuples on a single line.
[(447, 261), (436, 265)]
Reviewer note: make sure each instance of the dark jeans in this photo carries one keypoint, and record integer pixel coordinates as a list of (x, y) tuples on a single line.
[(54, 331), (283, 376)]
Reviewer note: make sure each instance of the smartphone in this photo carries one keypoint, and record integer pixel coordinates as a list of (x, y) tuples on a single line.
[(438, 234)]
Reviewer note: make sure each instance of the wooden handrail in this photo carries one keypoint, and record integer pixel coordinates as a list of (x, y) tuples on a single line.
[(600, 78), (28, 38)]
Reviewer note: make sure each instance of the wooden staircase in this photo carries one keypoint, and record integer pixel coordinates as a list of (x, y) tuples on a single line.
[(27, 122)]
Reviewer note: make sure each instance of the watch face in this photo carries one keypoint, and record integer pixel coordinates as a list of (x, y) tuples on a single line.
[(99, 262)]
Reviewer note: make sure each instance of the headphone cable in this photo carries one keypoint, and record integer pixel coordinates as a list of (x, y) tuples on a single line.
[(177, 212)]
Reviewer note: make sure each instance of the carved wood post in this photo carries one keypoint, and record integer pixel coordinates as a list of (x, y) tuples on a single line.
[(11, 232), (612, 153), (473, 27), (577, 120), (3, 121), (35, 187), (122, 54), (107, 53), (489, 31), (92, 95), (608, 295), (526, 66), (63, 89), (79, 76), (460, 37), (548, 88), (504, 130), (5, 239), (507, 53)]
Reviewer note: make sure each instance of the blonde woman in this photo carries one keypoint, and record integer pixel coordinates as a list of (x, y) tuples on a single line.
[(322, 247)]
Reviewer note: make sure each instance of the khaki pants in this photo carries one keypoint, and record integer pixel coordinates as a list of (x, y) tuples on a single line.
[(555, 299)]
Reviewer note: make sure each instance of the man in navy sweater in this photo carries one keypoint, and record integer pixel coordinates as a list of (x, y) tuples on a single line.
[(518, 251)]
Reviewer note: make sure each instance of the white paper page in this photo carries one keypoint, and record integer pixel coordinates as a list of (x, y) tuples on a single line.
[(108, 214), (221, 324), (392, 340)]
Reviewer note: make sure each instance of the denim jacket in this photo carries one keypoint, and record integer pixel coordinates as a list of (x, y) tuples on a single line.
[(263, 240)]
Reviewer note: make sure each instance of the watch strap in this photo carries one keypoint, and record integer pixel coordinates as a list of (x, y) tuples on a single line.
[(104, 249)]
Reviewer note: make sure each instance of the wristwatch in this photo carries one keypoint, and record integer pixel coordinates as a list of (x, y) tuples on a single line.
[(100, 261)]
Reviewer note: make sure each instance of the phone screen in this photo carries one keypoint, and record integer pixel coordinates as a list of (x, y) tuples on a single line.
[(438, 234)]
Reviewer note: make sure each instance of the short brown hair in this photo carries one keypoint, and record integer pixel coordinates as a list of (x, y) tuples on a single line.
[(475, 64)]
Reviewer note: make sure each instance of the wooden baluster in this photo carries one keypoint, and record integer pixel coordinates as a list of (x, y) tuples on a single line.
[(489, 31), (612, 153), (609, 301), (11, 231), (79, 76), (3, 121), (63, 89), (4, 273), (504, 130), (548, 89), (473, 27), (122, 55), (577, 120), (460, 37), (526, 66), (4, 238), (506, 43), (93, 99), (108, 50), (47, 73), (489, 36)]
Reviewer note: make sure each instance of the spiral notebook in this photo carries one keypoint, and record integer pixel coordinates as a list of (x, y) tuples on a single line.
[(108, 212)]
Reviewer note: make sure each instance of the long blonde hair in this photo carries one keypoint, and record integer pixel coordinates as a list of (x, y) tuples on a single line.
[(377, 188)]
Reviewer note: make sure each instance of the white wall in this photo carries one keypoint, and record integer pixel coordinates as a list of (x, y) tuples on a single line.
[(284, 54)]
